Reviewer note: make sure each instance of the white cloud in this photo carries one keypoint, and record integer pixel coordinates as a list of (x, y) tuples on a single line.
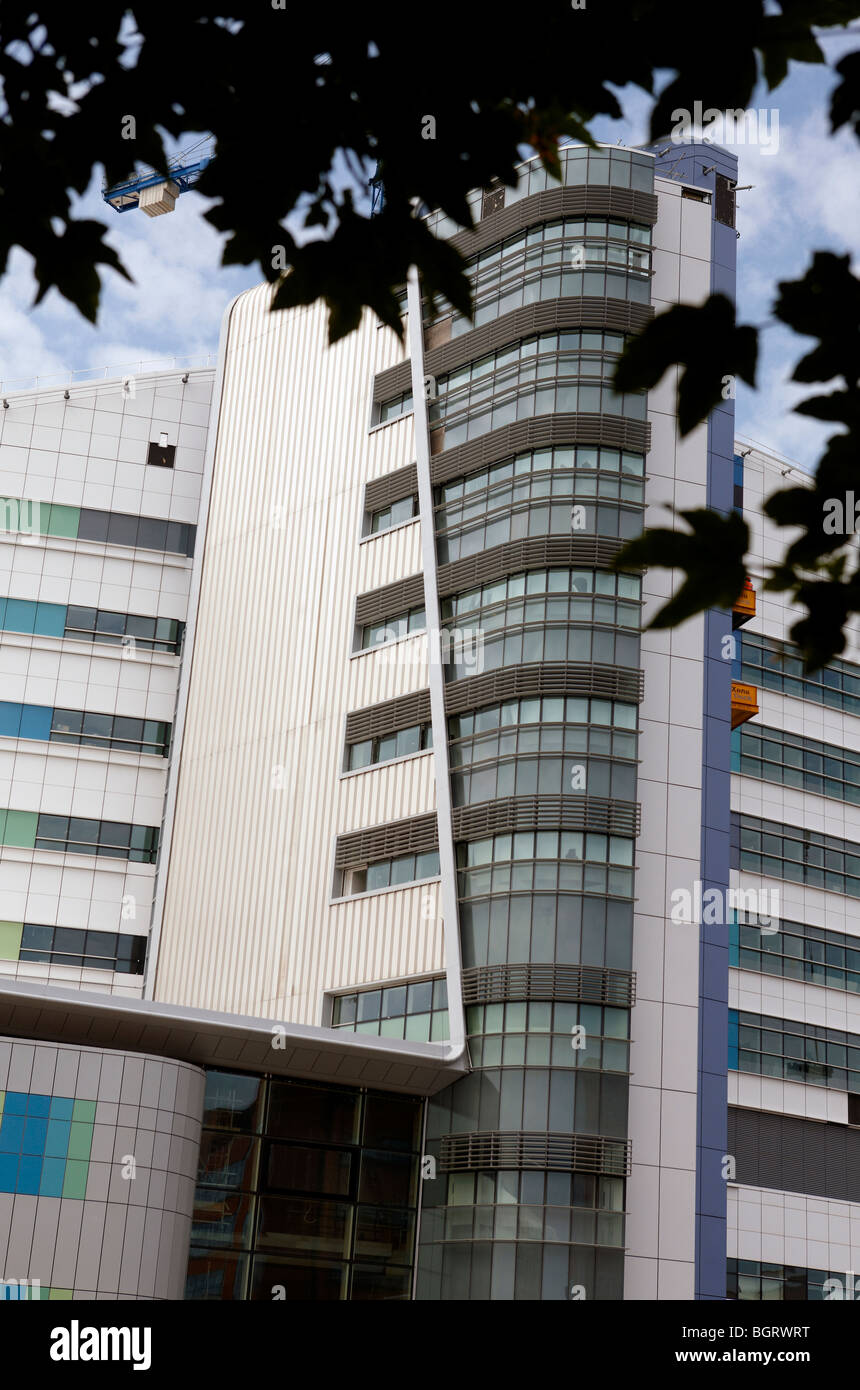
[(173, 308)]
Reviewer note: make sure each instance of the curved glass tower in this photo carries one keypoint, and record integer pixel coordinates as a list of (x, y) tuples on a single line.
[(538, 474)]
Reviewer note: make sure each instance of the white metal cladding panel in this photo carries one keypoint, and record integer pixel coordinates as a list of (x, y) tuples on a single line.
[(808, 718), (391, 445), (75, 890), (791, 806), (378, 794), (393, 670), (799, 902), (54, 570), (91, 450), (70, 977), (778, 997), (63, 780), (764, 475), (247, 923), (382, 936), (391, 556), (108, 1246), (753, 1092), (791, 1228), (87, 675)]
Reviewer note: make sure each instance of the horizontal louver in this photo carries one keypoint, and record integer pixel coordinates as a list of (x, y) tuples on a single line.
[(629, 203), (414, 836), (388, 602), (536, 553), (544, 678), (546, 813), (795, 1155), (377, 720), (571, 1153), (392, 487), (594, 984)]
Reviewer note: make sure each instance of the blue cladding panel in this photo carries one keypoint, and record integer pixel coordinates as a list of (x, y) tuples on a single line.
[(36, 1132), (50, 619), (20, 615), (10, 719), (36, 722), (25, 721), (24, 615)]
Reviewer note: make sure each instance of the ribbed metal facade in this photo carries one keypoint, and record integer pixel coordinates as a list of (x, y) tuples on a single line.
[(251, 922)]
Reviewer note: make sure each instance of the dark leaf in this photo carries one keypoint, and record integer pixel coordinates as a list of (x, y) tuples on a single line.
[(711, 555), (706, 341)]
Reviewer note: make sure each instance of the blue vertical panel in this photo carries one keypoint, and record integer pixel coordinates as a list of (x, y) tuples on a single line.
[(10, 719), (53, 1175), (29, 1174), (36, 722), (716, 831), (50, 619), (20, 615)]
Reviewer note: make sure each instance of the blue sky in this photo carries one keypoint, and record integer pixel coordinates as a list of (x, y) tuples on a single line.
[(806, 196)]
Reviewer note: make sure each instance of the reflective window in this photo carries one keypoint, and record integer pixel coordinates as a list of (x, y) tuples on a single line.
[(795, 853), (763, 661), (416, 739), (793, 1051), (394, 515), (84, 523), (563, 258), (417, 1011), (564, 372), (796, 952), (754, 1280), (392, 628), (304, 1192), (90, 950), (114, 839), (506, 749), (589, 1036), (389, 410), (91, 625), (390, 873), (546, 861), (534, 494), (543, 615), (776, 755), (582, 1208), (579, 165)]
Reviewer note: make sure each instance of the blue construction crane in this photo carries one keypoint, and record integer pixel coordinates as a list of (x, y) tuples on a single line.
[(156, 193)]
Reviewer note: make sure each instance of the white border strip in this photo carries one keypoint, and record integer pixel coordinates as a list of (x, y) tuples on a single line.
[(447, 863), (174, 769)]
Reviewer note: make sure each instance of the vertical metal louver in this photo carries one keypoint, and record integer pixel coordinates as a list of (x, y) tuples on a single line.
[(724, 201), (493, 201)]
